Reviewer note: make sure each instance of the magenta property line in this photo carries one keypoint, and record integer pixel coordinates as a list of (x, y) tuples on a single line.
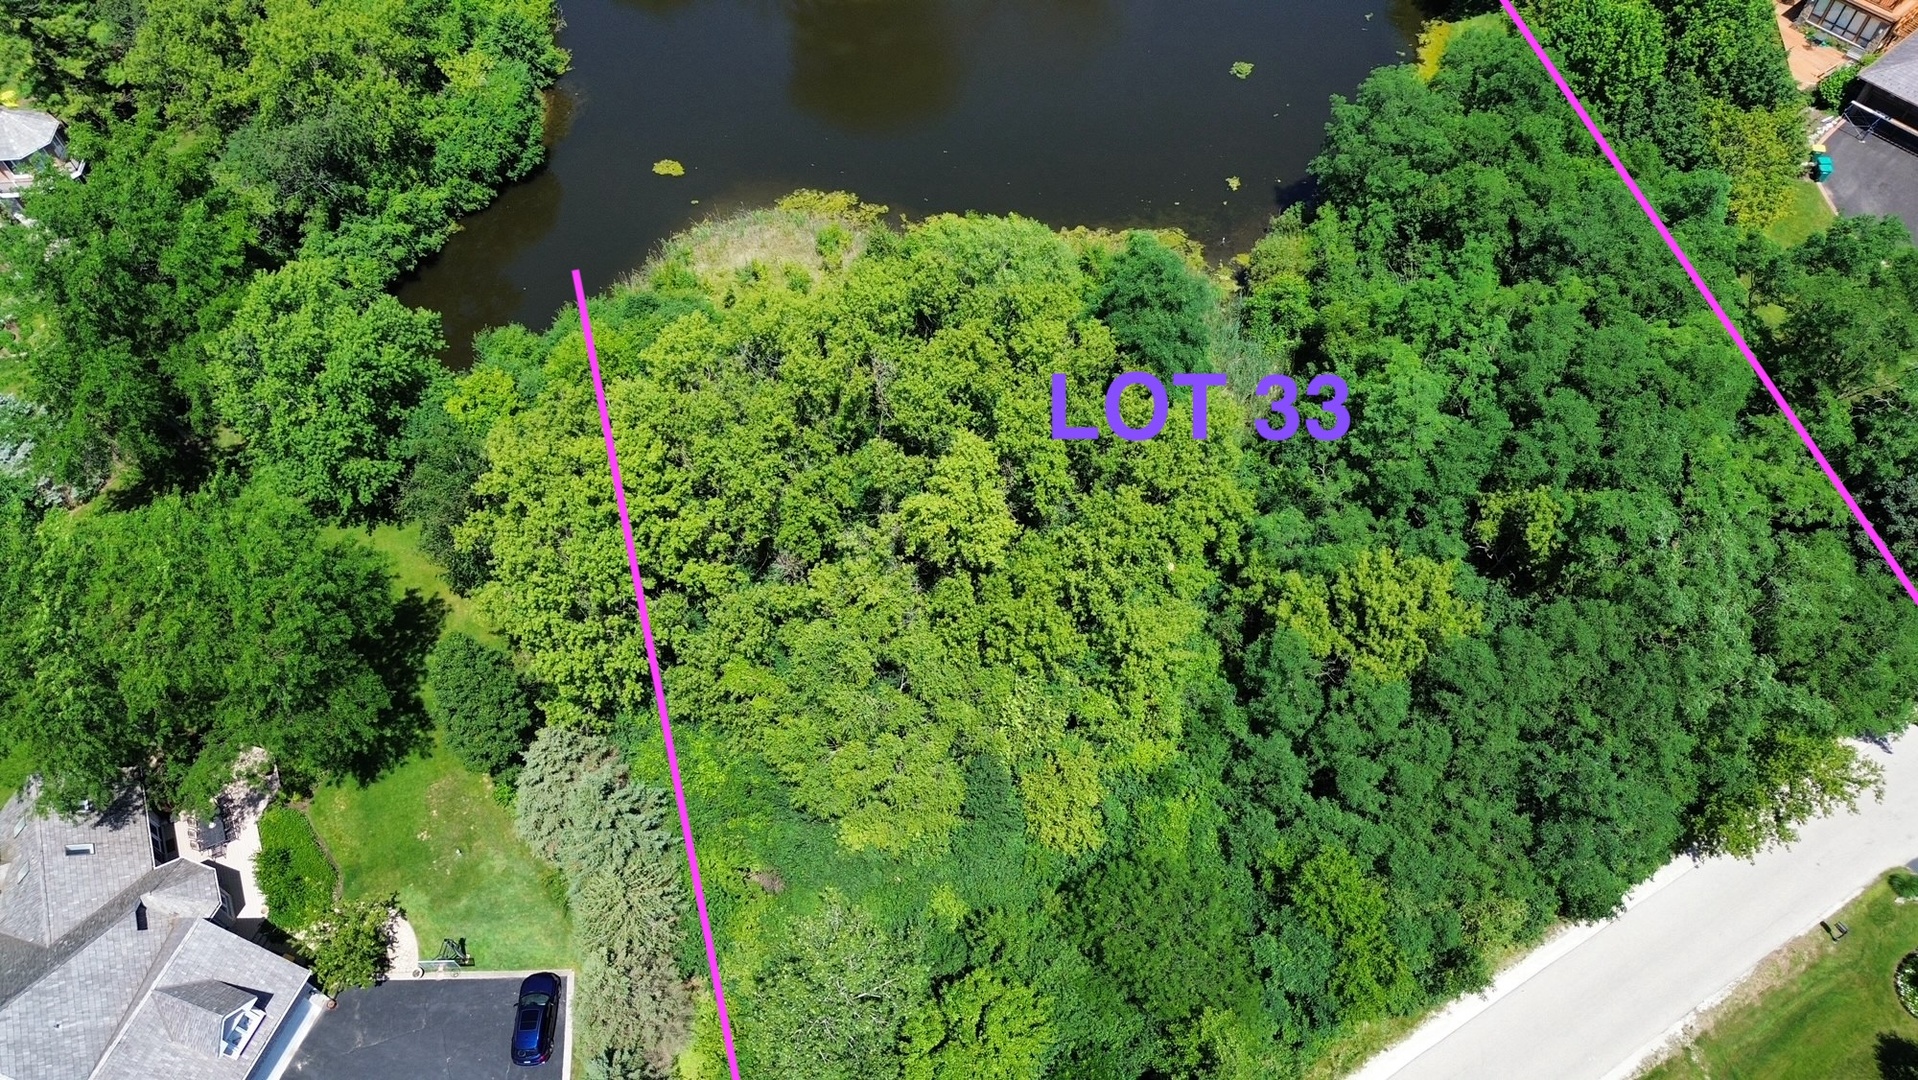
[(659, 685), (1705, 291)]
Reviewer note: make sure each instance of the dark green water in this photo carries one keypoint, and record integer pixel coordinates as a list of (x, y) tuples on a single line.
[(1094, 112)]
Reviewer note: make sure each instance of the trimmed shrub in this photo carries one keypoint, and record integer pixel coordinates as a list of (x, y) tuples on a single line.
[(1905, 981), (1830, 91), (478, 699), (349, 945), (293, 873)]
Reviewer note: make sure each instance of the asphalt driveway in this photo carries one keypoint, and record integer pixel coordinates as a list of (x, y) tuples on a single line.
[(1872, 176), (423, 1029)]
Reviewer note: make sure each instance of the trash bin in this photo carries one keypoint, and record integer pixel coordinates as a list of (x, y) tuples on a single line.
[(1821, 166)]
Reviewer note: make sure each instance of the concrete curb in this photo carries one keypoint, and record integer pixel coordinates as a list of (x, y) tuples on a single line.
[(1656, 1050), (1827, 867), (1448, 1020)]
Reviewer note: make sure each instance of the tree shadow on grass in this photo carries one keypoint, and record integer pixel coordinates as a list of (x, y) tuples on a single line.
[(1897, 1057), (398, 655)]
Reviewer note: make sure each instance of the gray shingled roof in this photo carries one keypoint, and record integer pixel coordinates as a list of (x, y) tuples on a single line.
[(25, 131), (194, 1013), (95, 995), (77, 993), (1896, 72), (147, 1048), (47, 892)]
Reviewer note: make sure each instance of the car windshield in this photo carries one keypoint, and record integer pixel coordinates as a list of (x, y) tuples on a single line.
[(535, 999)]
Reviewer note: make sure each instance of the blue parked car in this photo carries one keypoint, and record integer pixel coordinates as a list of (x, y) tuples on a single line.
[(535, 1018)]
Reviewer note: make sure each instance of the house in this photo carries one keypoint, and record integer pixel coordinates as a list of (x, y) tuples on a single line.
[(117, 961), (1859, 26), (1890, 88), (30, 142)]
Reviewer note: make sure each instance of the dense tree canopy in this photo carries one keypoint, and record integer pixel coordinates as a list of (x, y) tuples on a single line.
[(1009, 756), (1176, 758), (168, 639), (1702, 81), (224, 138), (319, 378)]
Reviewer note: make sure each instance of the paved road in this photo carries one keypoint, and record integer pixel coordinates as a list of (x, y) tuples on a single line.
[(1595, 1004)]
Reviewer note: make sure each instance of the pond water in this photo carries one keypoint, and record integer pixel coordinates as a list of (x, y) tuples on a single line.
[(1096, 112)]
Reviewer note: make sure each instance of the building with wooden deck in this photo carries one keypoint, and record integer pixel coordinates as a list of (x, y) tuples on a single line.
[(30, 143), (1859, 26)]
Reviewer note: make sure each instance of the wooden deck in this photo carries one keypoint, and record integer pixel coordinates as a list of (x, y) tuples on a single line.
[(1809, 63)]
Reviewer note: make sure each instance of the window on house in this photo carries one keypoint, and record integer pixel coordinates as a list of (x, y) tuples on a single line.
[(79, 849), (238, 1030), (1842, 18)]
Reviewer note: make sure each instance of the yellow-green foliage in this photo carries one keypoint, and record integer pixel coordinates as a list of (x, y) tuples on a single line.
[(961, 519), (1062, 797), (983, 1027), (1381, 613), (885, 640), (839, 205), (1286, 249), (1437, 35), (1083, 239), (483, 396), (1535, 513), (668, 167), (813, 232), (1241, 69), (1432, 42), (1764, 151)]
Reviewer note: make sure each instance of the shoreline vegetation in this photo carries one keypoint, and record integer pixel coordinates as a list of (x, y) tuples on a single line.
[(1015, 757)]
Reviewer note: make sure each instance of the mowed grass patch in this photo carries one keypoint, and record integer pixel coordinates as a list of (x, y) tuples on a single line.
[(431, 832), (414, 570), (1806, 214), (1816, 1010)]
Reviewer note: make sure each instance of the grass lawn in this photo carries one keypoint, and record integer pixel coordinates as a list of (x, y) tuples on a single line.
[(1806, 212), (1818, 1009), (416, 571), (430, 831)]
